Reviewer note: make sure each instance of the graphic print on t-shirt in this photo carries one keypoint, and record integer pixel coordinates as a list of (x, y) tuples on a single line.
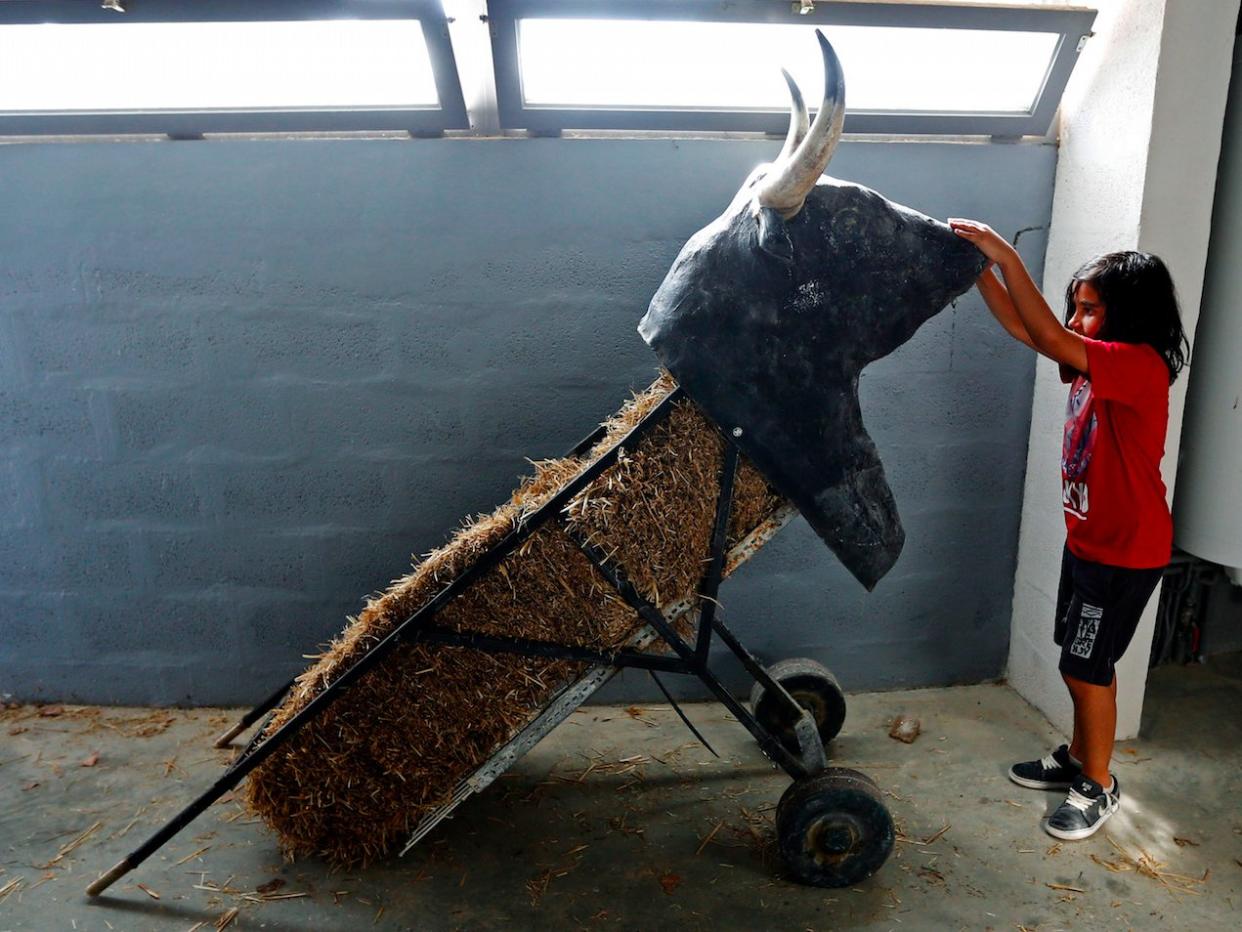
[(1076, 448)]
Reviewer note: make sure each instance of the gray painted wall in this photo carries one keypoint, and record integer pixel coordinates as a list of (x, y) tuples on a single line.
[(241, 381)]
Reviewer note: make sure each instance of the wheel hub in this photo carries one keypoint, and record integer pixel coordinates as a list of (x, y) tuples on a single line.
[(812, 702), (832, 838)]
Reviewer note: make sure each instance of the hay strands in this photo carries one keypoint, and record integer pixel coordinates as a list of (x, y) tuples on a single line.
[(72, 846), (261, 748), (690, 658), (1148, 866)]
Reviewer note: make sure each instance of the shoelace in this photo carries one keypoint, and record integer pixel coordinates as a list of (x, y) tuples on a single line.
[(1083, 803), (1080, 802), (1050, 763)]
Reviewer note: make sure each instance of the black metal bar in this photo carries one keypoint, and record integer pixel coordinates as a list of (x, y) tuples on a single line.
[(254, 739), (749, 660), (676, 708), (253, 715), (585, 444), (629, 592), (715, 568), (528, 648), (768, 743), (238, 771), (770, 685)]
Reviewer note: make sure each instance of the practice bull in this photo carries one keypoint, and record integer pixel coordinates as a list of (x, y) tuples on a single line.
[(771, 311)]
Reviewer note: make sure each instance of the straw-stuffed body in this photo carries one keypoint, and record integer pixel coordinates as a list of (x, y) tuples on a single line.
[(357, 779)]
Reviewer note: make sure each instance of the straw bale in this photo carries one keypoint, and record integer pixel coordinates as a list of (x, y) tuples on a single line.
[(356, 781)]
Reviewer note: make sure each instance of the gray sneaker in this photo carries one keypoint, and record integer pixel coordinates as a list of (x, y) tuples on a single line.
[(1056, 771), (1086, 808)]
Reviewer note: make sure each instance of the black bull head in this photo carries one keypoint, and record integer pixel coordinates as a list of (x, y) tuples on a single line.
[(771, 311)]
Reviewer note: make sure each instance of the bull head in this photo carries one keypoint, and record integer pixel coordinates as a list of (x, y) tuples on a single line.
[(771, 311)]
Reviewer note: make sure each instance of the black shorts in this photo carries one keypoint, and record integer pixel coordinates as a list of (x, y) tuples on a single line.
[(1098, 607)]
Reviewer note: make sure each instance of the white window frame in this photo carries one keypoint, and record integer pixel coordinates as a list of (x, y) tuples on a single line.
[(451, 114), (477, 49), (1072, 23)]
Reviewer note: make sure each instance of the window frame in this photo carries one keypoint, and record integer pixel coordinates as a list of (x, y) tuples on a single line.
[(451, 114), (1073, 24)]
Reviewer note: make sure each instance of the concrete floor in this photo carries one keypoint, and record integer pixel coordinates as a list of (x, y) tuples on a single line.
[(603, 826)]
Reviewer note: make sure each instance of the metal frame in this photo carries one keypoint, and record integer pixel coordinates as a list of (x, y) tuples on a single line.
[(451, 114), (570, 698), (1073, 23), (690, 659)]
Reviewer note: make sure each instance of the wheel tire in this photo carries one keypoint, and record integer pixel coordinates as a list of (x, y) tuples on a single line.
[(813, 687), (839, 773), (833, 829)]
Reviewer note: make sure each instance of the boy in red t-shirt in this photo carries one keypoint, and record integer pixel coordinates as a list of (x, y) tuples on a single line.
[(1120, 349)]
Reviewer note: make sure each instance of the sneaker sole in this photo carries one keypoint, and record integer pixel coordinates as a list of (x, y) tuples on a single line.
[(1079, 833), (1039, 784)]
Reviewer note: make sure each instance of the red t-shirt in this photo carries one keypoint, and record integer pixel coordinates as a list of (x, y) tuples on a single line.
[(1111, 488)]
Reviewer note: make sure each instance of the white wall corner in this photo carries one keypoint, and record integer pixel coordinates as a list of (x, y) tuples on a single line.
[(1196, 61), (1140, 134)]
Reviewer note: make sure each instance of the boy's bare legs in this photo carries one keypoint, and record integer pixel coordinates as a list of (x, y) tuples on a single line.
[(1095, 726)]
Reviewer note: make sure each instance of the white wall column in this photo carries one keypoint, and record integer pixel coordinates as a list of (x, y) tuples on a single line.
[(1140, 138)]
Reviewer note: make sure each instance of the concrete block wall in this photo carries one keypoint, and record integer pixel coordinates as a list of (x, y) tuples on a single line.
[(241, 382)]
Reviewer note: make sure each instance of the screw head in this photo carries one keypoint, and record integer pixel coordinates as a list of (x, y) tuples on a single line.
[(737, 432)]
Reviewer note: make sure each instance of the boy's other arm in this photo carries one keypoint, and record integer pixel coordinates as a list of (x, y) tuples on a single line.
[(1042, 327), (996, 297), (1050, 338)]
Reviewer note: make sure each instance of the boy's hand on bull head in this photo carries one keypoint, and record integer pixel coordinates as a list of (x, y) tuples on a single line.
[(986, 240)]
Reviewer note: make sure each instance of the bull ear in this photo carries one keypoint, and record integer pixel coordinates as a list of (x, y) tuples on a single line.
[(773, 237)]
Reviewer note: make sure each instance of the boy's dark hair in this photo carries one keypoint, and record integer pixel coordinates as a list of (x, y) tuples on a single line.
[(1140, 304)]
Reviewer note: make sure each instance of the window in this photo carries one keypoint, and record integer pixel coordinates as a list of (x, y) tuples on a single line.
[(345, 65), (682, 64), (719, 66), (187, 67)]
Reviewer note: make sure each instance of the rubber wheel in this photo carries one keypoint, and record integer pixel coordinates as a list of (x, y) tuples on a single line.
[(833, 829), (838, 773), (813, 687)]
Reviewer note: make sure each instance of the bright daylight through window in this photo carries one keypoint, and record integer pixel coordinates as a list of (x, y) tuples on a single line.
[(215, 66), (736, 66)]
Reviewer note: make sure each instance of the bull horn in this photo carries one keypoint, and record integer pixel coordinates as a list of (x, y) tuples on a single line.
[(798, 120), (792, 178)]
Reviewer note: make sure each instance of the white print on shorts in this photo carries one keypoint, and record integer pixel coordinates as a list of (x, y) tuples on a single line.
[(1088, 628)]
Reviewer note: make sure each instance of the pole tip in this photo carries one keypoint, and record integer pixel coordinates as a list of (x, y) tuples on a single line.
[(122, 868), (227, 738)]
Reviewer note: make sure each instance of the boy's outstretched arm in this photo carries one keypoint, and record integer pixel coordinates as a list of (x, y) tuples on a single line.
[(1045, 331)]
